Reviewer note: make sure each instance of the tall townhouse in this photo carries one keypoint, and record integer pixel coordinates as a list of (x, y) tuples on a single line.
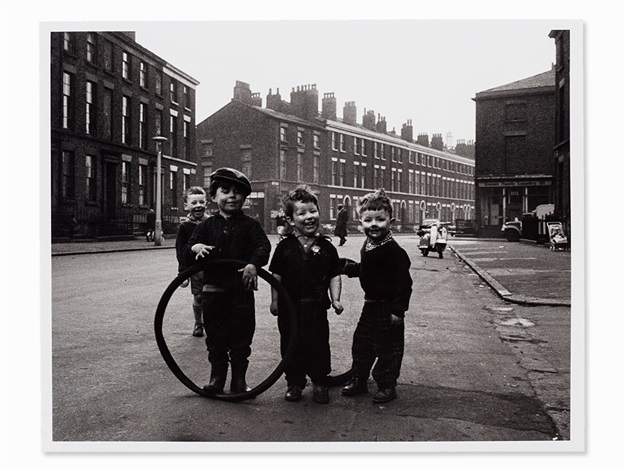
[(109, 98), (287, 143), (514, 150)]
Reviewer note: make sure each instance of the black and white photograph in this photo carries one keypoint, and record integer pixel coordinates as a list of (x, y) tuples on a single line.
[(460, 332), (312, 234)]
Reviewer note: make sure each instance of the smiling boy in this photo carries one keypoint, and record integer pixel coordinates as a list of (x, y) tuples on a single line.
[(384, 276), (227, 294), (307, 265), (195, 204)]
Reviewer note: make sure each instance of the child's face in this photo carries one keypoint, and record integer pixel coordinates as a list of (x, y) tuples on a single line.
[(229, 200), (376, 224), (196, 205), (305, 218)]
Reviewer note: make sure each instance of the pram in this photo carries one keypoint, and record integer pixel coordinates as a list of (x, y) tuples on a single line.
[(558, 240)]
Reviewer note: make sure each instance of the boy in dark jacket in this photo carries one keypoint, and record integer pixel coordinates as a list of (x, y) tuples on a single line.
[(195, 204), (307, 265), (384, 276), (227, 294)]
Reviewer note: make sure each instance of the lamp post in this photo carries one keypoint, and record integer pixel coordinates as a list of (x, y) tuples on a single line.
[(159, 139)]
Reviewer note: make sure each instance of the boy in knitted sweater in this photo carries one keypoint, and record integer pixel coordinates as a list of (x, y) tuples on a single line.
[(384, 276)]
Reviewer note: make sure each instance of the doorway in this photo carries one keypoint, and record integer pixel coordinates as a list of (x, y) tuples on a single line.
[(110, 189)]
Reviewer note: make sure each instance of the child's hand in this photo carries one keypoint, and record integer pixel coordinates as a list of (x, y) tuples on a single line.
[(185, 283), (396, 320), (201, 250), (338, 307), (249, 277), (274, 307)]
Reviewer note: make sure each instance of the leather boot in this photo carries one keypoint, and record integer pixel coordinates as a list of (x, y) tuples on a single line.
[(217, 380), (356, 386), (238, 377)]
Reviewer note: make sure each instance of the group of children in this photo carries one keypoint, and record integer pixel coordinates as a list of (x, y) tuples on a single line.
[(308, 266)]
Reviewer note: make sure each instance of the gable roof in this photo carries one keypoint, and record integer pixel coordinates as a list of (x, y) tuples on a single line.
[(542, 80)]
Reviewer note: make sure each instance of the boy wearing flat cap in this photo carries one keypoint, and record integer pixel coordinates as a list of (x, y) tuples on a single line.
[(227, 294)]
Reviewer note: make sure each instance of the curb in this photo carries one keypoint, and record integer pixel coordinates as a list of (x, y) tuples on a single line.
[(503, 291), (111, 250)]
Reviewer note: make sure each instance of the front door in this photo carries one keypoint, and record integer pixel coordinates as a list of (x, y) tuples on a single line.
[(110, 189)]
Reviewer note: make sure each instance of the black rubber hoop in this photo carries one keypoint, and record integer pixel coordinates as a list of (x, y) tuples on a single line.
[(169, 359)]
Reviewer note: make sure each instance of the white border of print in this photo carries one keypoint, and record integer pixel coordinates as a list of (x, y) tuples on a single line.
[(21, 384), (576, 441)]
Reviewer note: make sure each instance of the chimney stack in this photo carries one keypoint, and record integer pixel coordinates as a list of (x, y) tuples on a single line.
[(274, 102), (407, 131), (349, 112), (242, 92), (329, 106), (256, 100), (304, 101), (437, 142), (422, 139), (369, 120), (381, 125)]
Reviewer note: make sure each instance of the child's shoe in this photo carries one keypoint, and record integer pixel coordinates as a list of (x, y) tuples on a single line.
[(238, 380), (294, 393), (320, 394), (198, 330), (385, 395), (355, 387), (217, 380)]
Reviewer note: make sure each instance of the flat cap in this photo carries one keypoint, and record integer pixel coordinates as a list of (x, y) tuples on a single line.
[(233, 176)]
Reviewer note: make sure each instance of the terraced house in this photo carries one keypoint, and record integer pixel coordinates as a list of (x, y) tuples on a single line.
[(287, 143), (109, 97)]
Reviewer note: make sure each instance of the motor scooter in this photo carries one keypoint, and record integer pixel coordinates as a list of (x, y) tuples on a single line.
[(433, 239)]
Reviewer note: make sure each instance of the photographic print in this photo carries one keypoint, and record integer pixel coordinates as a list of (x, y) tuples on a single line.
[(350, 235)]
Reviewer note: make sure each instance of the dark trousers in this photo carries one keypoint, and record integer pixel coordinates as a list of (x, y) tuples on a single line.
[(375, 338), (312, 352), (229, 324)]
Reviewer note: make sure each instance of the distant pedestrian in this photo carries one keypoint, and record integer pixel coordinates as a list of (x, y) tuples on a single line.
[(341, 228), (306, 264), (384, 275), (227, 295), (195, 205), (151, 222), (282, 226)]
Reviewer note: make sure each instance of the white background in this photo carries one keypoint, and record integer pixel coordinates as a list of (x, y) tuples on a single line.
[(23, 252)]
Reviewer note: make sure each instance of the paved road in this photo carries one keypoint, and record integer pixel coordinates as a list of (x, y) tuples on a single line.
[(476, 367)]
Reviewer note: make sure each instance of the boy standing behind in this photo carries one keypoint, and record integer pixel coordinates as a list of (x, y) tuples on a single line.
[(307, 265), (384, 276), (227, 295), (195, 204)]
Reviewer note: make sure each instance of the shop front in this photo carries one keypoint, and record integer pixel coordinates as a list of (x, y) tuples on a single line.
[(502, 200)]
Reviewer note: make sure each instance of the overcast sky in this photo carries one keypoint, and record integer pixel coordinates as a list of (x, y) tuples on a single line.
[(426, 71)]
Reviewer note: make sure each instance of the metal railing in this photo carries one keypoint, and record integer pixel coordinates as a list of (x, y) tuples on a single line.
[(91, 223)]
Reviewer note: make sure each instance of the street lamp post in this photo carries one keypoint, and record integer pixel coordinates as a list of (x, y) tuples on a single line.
[(159, 139)]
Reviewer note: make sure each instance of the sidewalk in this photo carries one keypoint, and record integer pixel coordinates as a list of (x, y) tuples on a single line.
[(523, 273), (102, 246)]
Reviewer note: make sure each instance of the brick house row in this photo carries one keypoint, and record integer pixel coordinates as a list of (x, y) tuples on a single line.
[(109, 97), (287, 143)]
